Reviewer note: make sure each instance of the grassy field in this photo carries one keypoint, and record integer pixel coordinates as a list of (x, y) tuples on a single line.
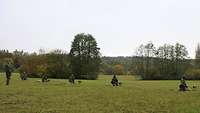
[(97, 96)]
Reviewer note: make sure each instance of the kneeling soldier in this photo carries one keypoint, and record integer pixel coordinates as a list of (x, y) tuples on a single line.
[(114, 81), (183, 86)]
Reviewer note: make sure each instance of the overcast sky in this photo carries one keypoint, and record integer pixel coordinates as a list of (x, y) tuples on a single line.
[(119, 26)]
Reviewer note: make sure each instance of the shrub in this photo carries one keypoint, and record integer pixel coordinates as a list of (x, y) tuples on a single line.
[(118, 69), (193, 74), (152, 74)]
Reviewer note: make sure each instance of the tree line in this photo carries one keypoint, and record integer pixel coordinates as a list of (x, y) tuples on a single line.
[(84, 61), (155, 63), (165, 62)]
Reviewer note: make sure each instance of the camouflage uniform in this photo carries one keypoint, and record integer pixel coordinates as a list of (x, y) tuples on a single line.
[(23, 76), (72, 79), (183, 86), (114, 81), (8, 74), (44, 78)]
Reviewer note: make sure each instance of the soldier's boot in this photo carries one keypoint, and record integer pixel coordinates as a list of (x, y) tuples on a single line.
[(7, 82)]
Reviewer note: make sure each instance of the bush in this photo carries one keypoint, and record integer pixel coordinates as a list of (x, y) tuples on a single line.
[(118, 69), (193, 74), (152, 74)]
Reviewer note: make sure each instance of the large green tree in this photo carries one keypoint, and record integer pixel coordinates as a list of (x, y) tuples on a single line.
[(85, 57)]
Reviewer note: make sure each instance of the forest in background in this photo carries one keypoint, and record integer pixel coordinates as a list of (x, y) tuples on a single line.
[(150, 63)]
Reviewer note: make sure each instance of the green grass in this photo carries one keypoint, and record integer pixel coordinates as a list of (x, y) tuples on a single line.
[(97, 96)]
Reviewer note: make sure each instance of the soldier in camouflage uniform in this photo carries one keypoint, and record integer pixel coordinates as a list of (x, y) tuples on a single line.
[(72, 79), (114, 81), (45, 78), (8, 73), (23, 76), (183, 86)]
